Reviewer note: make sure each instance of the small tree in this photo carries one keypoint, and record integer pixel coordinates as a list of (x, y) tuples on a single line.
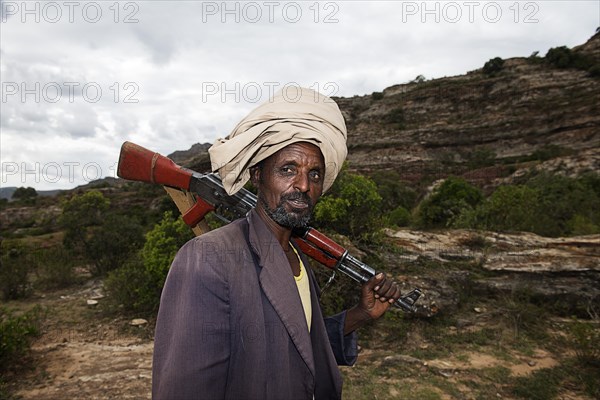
[(27, 196), (24, 193), (80, 212)]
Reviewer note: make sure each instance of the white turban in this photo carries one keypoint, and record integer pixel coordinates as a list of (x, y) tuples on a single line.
[(293, 115)]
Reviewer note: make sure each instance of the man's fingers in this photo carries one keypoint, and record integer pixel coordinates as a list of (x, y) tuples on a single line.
[(387, 291), (375, 281)]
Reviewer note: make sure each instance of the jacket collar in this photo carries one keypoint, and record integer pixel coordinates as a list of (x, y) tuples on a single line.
[(279, 286)]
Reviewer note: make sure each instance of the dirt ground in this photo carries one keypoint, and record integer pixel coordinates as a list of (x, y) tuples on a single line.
[(84, 354), (87, 353)]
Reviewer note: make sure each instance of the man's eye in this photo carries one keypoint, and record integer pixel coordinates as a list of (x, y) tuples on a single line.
[(287, 170), (315, 175)]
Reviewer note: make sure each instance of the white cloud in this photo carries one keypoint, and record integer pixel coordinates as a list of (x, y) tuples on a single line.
[(175, 74)]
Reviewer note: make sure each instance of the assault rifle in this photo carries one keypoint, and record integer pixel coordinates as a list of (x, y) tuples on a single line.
[(139, 164)]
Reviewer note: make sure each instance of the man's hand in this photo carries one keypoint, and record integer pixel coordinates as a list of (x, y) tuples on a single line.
[(377, 295)]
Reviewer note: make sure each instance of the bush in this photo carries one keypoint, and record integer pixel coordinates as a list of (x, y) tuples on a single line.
[(549, 205), (104, 238), (80, 212), (395, 116), (55, 268), (481, 158), (352, 207), (133, 288), (585, 339), (26, 195), (565, 204), (14, 269), (16, 333), (563, 57), (162, 243), (399, 216), (377, 95), (509, 208), (394, 193), (493, 66), (549, 152), (445, 205), (560, 57), (137, 285), (113, 243)]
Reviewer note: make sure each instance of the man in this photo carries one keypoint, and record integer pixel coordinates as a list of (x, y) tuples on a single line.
[(239, 315)]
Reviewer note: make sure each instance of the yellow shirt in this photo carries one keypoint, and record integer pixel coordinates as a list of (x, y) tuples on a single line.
[(304, 290)]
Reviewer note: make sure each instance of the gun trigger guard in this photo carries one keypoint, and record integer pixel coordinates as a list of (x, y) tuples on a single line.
[(197, 212)]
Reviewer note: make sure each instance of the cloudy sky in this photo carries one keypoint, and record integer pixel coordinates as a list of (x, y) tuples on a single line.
[(80, 77)]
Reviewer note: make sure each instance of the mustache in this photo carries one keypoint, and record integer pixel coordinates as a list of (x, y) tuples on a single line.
[(297, 196)]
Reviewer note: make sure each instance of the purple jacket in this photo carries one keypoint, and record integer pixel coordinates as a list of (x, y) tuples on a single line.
[(231, 324)]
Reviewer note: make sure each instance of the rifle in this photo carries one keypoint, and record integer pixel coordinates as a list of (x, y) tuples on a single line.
[(139, 164)]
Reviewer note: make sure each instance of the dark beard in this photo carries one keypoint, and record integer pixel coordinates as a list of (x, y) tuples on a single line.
[(287, 219)]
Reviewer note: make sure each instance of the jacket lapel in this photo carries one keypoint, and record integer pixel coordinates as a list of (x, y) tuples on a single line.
[(279, 286)]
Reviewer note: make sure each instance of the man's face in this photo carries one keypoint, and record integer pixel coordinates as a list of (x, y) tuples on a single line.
[(289, 184)]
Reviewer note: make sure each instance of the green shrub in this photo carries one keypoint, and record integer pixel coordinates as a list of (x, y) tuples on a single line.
[(395, 117), (585, 340), (133, 288), (445, 205), (14, 269), (101, 237), (493, 66), (481, 158), (561, 199), (393, 191), (55, 268), (162, 243), (549, 205), (117, 238), (377, 95), (352, 207), (563, 57), (16, 333), (399, 216), (137, 285), (25, 195), (560, 57), (80, 212), (549, 152), (509, 208)]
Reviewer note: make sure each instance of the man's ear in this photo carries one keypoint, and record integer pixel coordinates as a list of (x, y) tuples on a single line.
[(255, 176)]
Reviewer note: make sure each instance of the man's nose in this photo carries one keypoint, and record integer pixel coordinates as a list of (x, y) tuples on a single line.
[(302, 183)]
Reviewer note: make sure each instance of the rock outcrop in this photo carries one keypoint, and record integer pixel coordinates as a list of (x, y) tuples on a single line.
[(563, 270)]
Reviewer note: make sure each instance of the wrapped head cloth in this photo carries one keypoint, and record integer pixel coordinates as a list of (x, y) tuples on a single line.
[(293, 115)]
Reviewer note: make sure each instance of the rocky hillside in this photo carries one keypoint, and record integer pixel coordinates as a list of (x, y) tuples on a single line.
[(488, 127), (480, 120)]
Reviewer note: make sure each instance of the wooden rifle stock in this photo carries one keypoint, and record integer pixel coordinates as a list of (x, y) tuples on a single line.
[(137, 163)]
